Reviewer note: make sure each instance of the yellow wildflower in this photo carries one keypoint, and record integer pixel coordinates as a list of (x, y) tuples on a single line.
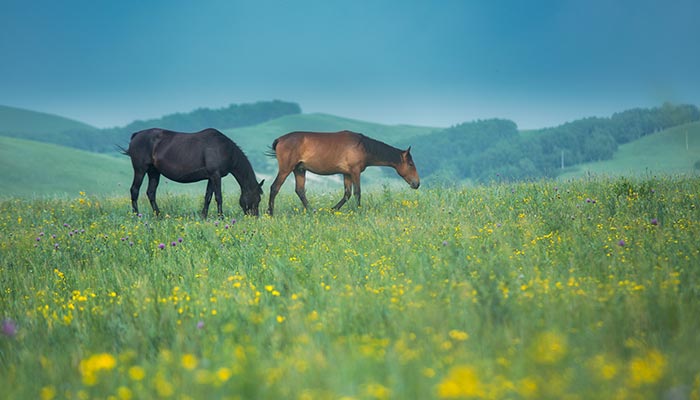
[(189, 361), (461, 381), (647, 369)]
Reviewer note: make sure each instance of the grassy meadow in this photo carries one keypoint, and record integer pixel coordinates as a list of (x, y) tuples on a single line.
[(580, 289)]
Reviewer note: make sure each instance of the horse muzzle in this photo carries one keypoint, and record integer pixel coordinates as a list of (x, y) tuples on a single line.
[(414, 184)]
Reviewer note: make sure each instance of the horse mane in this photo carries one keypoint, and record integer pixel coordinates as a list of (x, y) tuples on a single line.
[(380, 150)]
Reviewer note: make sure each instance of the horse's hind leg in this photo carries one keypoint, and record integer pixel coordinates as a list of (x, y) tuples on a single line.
[(217, 194), (347, 182), (356, 189), (153, 179), (300, 180), (207, 199), (135, 188)]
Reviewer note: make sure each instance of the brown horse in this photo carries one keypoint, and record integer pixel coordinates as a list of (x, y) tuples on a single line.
[(345, 152), (191, 157)]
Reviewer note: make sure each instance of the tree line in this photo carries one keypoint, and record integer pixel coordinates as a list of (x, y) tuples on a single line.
[(485, 150)]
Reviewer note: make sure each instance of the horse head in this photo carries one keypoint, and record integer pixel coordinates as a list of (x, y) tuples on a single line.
[(407, 169), (250, 199)]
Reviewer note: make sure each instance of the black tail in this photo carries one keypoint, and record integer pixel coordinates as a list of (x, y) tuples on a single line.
[(121, 149), (271, 151)]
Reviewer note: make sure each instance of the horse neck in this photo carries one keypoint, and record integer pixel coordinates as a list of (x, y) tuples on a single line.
[(382, 155), (245, 176)]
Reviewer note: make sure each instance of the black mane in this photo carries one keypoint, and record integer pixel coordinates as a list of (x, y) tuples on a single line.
[(380, 150)]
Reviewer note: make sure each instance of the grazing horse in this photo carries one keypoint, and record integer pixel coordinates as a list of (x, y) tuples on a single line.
[(191, 157), (345, 152)]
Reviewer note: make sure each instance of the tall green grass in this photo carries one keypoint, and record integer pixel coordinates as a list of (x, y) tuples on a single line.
[(583, 289)]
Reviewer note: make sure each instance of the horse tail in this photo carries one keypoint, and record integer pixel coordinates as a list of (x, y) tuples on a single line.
[(271, 152), (122, 150)]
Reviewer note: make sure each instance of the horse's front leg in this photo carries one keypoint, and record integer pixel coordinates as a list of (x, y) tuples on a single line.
[(347, 182), (207, 199), (153, 179)]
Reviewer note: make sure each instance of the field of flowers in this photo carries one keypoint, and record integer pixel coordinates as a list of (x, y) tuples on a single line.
[(581, 289)]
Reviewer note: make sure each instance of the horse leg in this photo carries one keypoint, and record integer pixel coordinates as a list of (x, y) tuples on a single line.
[(207, 199), (275, 188), (300, 180), (347, 182), (153, 179), (135, 188), (217, 195), (356, 183)]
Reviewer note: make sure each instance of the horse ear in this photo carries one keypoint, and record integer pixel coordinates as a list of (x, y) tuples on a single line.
[(261, 183), (408, 150)]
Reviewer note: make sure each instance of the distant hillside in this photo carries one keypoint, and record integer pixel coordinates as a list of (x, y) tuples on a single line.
[(17, 122), (494, 149), (672, 151), (33, 168)]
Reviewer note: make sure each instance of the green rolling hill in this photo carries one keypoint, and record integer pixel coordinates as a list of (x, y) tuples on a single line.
[(42, 127), (261, 136), (32, 168), (19, 122), (672, 151)]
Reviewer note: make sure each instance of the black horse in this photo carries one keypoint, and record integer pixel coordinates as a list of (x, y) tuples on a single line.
[(191, 157)]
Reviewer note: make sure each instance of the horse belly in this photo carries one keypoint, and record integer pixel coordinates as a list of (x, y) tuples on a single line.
[(320, 167), (180, 174)]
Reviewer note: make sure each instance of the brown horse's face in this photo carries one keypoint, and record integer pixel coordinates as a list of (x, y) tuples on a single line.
[(250, 200), (407, 169)]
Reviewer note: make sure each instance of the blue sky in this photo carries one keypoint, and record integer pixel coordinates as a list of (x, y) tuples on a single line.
[(434, 63)]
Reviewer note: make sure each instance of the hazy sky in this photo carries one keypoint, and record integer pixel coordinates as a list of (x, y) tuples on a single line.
[(434, 63)]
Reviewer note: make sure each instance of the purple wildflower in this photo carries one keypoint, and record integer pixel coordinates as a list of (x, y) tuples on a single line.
[(38, 239), (200, 324), (161, 246), (621, 243), (654, 221), (180, 240), (233, 221), (55, 246), (9, 327), (226, 226), (65, 225), (173, 244)]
